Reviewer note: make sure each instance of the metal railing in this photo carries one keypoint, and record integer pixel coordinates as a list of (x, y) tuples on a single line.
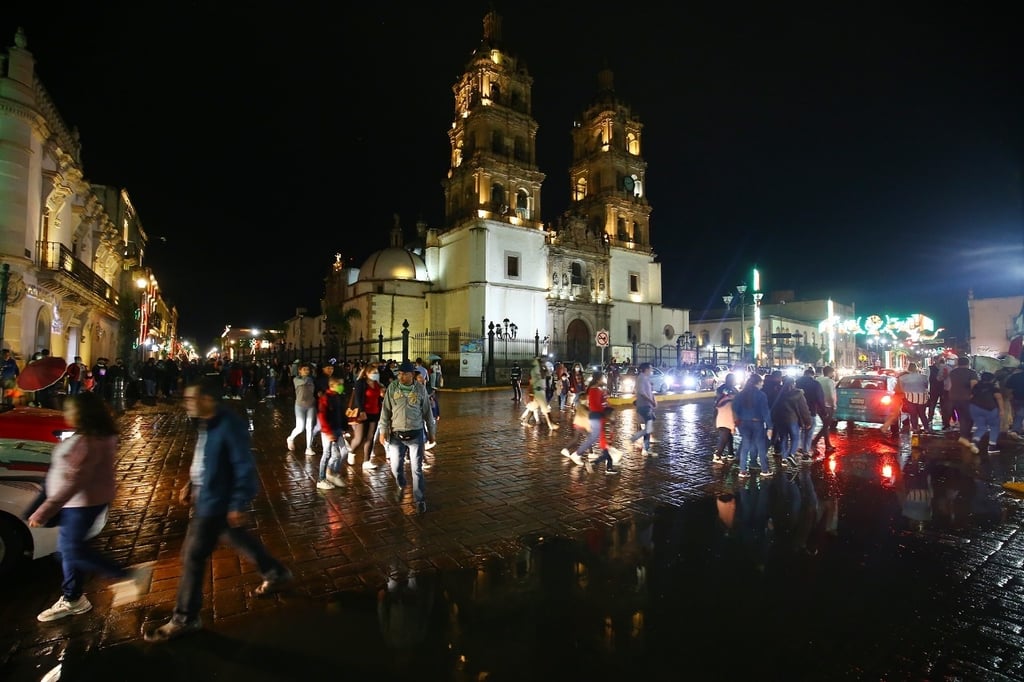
[(56, 257)]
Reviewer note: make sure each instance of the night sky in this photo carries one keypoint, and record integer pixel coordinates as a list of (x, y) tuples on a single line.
[(875, 159)]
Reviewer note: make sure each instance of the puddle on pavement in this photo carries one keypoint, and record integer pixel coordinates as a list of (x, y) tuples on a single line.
[(805, 561)]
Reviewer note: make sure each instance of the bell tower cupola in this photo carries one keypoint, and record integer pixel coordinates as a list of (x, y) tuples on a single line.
[(493, 167), (608, 172)]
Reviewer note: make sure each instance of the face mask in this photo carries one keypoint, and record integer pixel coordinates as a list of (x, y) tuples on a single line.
[(374, 376)]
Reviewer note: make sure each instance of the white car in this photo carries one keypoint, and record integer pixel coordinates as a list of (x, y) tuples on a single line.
[(23, 467)]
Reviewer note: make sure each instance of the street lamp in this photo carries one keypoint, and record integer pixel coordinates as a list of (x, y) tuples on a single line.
[(142, 283), (506, 331), (741, 290)]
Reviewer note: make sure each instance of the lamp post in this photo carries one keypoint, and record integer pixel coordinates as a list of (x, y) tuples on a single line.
[(506, 331), (142, 283), (741, 302)]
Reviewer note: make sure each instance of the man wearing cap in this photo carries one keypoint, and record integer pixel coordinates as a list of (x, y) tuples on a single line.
[(405, 409)]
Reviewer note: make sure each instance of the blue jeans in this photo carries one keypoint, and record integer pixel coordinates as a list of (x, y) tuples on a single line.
[(76, 557), (807, 437), (789, 436), (271, 386), (334, 452), (396, 458), (754, 439), (648, 416), (596, 425), (985, 420), (305, 420), (201, 538)]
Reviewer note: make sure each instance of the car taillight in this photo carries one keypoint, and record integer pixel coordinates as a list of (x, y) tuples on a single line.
[(886, 399)]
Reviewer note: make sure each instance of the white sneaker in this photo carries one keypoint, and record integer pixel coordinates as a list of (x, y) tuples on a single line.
[(566, 453), (325, 485), (645, 452), (351, 459), (336, 480), (576, 459), (429, 445), (368, 465), (553, 427), (310, 452), (63, 608)]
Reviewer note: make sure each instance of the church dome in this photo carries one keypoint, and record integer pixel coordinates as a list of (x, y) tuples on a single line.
[(393, 263)]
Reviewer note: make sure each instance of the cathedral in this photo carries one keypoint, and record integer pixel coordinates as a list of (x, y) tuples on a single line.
[(594, 269)]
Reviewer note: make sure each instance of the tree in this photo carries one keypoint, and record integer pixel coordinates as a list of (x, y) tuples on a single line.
[(807, 354), (340, 323)]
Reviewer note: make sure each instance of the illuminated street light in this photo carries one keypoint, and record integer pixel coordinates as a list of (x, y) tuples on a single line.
[(741, 300)]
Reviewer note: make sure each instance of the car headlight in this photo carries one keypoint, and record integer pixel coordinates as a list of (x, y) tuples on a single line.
[(689, 382)]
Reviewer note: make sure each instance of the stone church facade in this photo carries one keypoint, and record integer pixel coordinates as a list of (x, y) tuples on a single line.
[(494, 258)]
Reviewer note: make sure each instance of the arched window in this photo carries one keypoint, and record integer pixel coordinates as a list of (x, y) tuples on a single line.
[(633, 144), (580, 191), (523, 204), (577, 272), (497, 197), (726, 337)]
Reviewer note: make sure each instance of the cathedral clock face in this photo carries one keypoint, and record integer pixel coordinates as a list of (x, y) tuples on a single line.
[(628, 184)]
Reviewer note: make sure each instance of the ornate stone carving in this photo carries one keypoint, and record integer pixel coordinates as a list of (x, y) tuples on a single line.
[(16, 288)]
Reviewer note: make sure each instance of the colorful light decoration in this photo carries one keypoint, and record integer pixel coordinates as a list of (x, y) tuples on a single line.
[(917, 327)]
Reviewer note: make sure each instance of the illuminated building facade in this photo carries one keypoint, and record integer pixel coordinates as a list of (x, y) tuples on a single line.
[(493, 258)]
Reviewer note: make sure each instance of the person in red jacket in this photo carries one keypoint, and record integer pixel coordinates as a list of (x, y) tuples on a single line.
[(598, 408)]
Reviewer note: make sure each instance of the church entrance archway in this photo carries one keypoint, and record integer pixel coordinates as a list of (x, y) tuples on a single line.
[(578, 343)]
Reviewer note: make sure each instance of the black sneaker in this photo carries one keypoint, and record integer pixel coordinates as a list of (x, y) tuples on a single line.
[(789, 461), (173, 629), (993, 451), (611, 470)]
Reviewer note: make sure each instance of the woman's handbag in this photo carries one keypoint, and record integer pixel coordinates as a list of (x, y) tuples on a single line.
[(352, 412)]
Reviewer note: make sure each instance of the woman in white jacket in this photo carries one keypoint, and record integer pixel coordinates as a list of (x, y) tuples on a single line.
[(725, 422)]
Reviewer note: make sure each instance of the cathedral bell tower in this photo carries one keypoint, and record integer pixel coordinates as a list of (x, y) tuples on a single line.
[(608, 173), (493, 173)]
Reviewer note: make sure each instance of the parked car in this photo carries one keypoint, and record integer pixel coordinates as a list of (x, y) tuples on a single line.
[(660, 381), (23, 467), (864, 398), (34, 423)]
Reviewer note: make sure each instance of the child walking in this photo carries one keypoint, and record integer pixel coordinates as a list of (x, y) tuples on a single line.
[(333, 422), (597, 403)]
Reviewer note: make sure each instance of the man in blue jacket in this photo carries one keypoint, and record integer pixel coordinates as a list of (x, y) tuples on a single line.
[(221, 489)]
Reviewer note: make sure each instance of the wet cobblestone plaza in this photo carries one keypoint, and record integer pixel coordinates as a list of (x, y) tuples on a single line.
[(526, 567)]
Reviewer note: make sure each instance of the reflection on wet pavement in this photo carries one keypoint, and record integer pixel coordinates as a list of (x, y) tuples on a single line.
[(767, 579), (881, 561)]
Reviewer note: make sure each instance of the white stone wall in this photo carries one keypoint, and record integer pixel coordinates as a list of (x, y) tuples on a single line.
[(991, 323)]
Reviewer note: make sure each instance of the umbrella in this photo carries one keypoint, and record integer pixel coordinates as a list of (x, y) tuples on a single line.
[(433, 356), (41, 373)]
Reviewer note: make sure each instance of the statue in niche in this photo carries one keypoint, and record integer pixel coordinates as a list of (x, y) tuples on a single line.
[(565, 280)]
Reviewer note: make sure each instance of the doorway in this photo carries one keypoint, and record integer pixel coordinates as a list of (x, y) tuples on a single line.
[(578, 343)]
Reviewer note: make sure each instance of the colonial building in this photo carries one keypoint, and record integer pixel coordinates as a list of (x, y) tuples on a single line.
[(494, 259), (71, 251)]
